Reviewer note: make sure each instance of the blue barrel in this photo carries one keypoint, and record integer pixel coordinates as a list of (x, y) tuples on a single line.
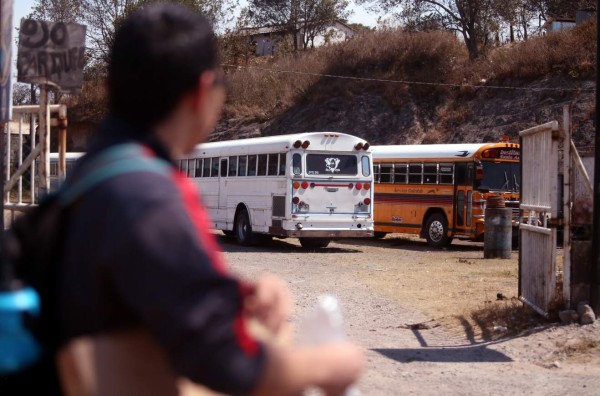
[(497, 238)]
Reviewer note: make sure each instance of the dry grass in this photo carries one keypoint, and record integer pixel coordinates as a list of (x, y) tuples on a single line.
[(471, 297), (432, 57)]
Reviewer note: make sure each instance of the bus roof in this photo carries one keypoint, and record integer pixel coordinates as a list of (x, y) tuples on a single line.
[(318, 141), (68, 155), (413, 151)]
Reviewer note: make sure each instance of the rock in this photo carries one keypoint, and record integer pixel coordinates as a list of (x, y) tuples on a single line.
[(556, 365), (586, 313), (569, 316)]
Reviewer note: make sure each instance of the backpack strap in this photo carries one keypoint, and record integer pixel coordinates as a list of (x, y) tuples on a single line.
[(112, 162)]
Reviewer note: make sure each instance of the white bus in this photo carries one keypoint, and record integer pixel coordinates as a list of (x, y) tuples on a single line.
[(312, 186)]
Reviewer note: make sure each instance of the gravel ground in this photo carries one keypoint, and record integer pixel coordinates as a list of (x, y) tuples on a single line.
[(387, 286)]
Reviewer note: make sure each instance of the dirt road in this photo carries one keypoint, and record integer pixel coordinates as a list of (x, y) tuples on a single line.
[(411, 308)]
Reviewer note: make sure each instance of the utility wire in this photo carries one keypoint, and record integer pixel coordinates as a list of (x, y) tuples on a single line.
[(382, 80)]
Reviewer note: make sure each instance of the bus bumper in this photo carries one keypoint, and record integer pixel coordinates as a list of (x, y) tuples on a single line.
[(321, 233)]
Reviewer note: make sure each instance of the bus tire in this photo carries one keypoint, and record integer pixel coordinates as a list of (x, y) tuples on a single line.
[(314, 243), (436, 230), (380, 234), (243, 229)]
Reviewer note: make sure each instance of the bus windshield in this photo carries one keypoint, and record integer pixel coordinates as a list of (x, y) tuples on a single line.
[(502, 176), (331, 164)]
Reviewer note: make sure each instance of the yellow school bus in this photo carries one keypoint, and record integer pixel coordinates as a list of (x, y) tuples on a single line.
[(439, 190)]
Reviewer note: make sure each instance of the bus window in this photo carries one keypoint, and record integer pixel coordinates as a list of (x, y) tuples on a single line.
[(206, 168), (54, 168), (191, 168), (252, 165), (376, 173), (214, 170), (415, 173), (297, 164), (184, 167), (282, 164), (385, 173), (400, 173), (262, 165), (366, 166), (198, 168), (242, 165), (461, 178), (331, 164), (233, 166), (446, 172), (272, 164), (223, 167), (430, 173)]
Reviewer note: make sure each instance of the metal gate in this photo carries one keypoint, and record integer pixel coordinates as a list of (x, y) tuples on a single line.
[(539, 204), (26, 155)]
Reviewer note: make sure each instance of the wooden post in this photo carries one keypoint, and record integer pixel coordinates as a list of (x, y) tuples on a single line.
[(595, 267), (567, 199), (44, 129)]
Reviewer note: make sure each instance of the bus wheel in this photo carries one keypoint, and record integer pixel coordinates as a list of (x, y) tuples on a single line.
[(314, 243), (436, 230), (243, 228), (379, 234)]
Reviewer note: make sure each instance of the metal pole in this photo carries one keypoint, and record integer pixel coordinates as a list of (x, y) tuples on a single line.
[(595, 272)]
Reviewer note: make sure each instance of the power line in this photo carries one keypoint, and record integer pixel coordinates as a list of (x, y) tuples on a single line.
[(383, 80)]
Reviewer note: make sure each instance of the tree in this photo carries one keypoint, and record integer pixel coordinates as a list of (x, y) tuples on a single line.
[(103, 17), (474, 20), (57, 10), (518, 15), (301, 18), (561, 8)]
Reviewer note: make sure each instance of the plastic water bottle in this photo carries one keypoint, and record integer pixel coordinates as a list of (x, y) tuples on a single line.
[(325, 324)]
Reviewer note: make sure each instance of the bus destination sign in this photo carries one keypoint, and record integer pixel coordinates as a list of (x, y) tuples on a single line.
[(508, 154)]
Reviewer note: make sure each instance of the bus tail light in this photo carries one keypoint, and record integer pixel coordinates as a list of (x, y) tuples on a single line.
[(367, 201), (296, 200), (297, 144), (305, 144), (296, 185), (304, 185), (366, 146), (312, 185), (367, 186), (350, 185), (359, 186), (358, 146)]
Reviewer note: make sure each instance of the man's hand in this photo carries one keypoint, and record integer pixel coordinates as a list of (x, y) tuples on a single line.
[(270, 303)]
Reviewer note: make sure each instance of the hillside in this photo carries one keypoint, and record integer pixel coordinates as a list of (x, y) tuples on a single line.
[(511, 88)]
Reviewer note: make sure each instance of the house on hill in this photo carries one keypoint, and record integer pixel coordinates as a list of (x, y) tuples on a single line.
[(559, 24), (267, 40)]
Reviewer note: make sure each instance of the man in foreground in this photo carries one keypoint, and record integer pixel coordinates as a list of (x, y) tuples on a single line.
[(138, 261)]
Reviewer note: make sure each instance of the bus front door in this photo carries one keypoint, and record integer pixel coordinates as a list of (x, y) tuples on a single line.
[(463, 195)]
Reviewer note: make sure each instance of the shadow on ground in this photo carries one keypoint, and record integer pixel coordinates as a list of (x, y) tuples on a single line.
[(406, 243), (465, 354), (274, 245)]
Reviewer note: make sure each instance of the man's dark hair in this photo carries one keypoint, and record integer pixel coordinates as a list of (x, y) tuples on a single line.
[(158, 55)]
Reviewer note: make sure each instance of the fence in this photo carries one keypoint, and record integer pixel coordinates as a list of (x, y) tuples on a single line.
[(26, 154)]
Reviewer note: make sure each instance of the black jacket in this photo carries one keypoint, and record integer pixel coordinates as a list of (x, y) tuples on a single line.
[(138, 253)]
